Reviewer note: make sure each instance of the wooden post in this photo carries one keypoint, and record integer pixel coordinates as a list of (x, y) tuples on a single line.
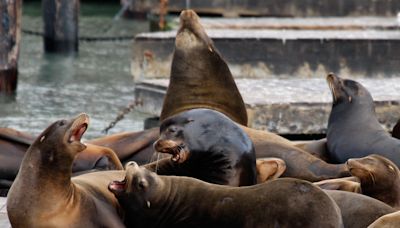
[(60, 19), (10, 36)]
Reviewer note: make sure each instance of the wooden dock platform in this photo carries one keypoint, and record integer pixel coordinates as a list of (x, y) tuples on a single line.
[(300, 47), (288, 106)]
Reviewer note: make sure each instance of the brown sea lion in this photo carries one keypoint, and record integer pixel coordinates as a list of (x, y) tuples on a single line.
[(13, 145), (353, 128), (379, 178), (391, 220), (198, 65), (207, 145), (358, 211), (349, 184), (196, 57), (43, 194), (151, 200)]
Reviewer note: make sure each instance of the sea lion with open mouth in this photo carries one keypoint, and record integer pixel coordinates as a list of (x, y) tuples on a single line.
[(43, 194), (152, 200), (207, 145), (353, 128), (14, 144)]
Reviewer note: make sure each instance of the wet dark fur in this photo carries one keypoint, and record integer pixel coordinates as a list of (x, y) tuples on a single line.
[(353, 129), (219, 151)]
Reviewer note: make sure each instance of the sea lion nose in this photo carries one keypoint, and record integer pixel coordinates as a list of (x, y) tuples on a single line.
[(131, 163)]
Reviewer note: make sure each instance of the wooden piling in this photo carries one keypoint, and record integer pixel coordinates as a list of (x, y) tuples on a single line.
[(60, 19), (10, 36)]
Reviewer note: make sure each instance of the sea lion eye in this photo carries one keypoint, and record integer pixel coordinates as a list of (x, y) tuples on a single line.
[(62, 123), (172, 129), (391, 167), (142, 184)]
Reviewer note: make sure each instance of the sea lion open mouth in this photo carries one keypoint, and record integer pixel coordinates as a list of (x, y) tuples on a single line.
[(118, 186), (78, 128), (179, 151)]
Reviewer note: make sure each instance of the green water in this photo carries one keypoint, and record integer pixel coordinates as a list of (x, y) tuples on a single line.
[(97, 80)]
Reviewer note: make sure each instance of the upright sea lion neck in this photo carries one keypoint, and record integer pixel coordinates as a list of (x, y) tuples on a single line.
[(200, 78), (52, 167)]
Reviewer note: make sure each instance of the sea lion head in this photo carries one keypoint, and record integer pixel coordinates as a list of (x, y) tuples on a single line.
[(374, 171), (135, 189), (63, 135), (346, 91), (199, 130)]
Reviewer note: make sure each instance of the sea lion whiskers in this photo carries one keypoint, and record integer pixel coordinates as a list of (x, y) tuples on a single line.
[(373, 179), (332, 88)]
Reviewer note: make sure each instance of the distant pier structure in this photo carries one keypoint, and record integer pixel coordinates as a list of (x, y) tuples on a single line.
[(60, 19), (277, 8), (10, 36), (280, 52)]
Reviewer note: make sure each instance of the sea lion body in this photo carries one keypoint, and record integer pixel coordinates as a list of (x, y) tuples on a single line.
[(43, 195), (207, 145), (299, 163), (353, 128), (358, 211), (379, 178), (151, 200), (391, 220)]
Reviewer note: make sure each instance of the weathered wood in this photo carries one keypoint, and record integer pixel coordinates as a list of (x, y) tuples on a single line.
[(10, 36), (288, 106), (61, 25), (279, 8)]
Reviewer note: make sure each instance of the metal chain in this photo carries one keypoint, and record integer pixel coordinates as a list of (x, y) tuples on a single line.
[(122, 114)]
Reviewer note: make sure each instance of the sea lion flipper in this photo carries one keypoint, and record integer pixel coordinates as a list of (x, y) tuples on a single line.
[(269, 169)]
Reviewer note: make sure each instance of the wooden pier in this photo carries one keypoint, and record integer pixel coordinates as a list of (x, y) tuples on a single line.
[(288, 106)]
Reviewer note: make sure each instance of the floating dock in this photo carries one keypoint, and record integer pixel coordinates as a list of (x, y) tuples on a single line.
[(288, 106), (278, 8), (280, 65), (285, 48)]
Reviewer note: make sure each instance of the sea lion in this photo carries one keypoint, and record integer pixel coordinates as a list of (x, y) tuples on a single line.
[(43, 195), (358, 211), (198, 65), (207, 145), (151, 200), (391, 220), (13, 145), (196, 57), (349, 184), (353, 129), (379, 178)]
